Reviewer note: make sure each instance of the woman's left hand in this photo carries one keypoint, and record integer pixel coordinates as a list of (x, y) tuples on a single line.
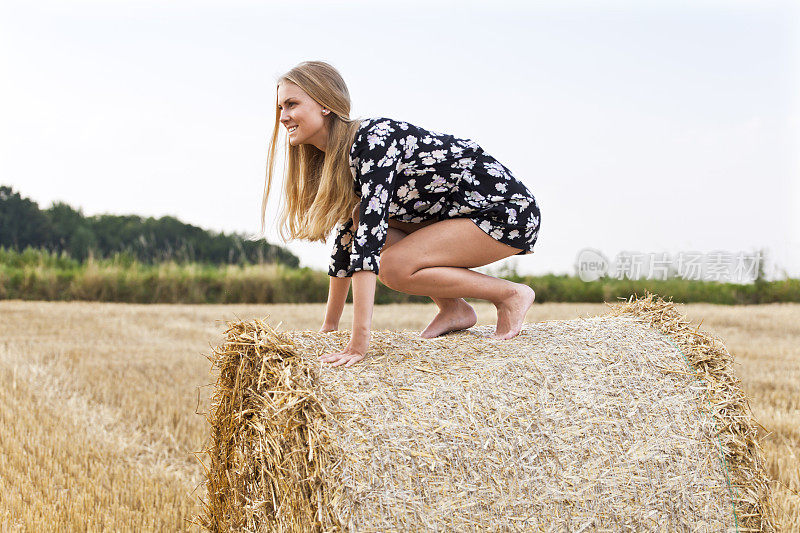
[(354, 352)]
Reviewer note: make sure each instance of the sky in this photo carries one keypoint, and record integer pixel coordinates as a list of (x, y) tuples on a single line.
[(658, 127)]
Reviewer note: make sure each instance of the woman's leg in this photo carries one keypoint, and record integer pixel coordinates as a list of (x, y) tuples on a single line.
[(435, 261), (454, 314)]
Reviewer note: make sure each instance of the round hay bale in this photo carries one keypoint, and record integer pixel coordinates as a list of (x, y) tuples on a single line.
[(631, 420)]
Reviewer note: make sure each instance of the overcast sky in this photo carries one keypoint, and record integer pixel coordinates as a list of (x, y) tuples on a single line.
[(664, 127)]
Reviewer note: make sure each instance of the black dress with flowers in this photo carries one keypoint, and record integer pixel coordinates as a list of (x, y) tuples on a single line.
[(412, 174)]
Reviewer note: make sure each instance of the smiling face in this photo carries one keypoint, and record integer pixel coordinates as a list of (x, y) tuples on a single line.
[(302, 116)]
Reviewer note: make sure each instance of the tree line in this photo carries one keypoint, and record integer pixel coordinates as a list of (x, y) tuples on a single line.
[(64, 229)]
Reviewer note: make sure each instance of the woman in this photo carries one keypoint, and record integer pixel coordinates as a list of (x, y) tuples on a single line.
[(426, 207)]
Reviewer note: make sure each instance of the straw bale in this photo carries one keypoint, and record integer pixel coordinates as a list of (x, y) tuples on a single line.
[(626, 421)]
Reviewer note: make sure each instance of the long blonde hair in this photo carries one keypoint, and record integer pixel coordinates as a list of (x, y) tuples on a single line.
[(318, 186)]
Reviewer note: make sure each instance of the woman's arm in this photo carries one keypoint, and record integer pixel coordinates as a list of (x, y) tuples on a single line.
[(364, 282), (378, 157), (337, 295)]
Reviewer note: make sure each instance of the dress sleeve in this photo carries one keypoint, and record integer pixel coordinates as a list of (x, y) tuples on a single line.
[(378, 155), (342, 245)]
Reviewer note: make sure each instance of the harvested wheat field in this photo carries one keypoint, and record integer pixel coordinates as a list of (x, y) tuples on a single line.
[(104, 405), (593, 423)]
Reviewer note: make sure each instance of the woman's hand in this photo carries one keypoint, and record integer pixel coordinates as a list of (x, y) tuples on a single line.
[(363, 300), (354, 352), (328, 327)]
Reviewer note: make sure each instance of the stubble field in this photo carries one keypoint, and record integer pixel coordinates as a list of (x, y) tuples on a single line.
[(99, 402)]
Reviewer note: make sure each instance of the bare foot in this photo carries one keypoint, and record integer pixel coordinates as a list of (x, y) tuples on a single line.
[(455, 318), (511, 312)]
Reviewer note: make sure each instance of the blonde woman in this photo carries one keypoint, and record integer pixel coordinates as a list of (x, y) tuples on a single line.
[(412, 207)]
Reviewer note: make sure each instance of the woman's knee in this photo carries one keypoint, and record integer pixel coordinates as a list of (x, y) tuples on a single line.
[(393, 271)]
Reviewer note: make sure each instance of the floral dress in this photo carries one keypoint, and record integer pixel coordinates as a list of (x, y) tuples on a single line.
[(412, 174)]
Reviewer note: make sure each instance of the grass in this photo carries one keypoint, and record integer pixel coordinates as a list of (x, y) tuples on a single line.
[(40, 275), (99, 424)]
